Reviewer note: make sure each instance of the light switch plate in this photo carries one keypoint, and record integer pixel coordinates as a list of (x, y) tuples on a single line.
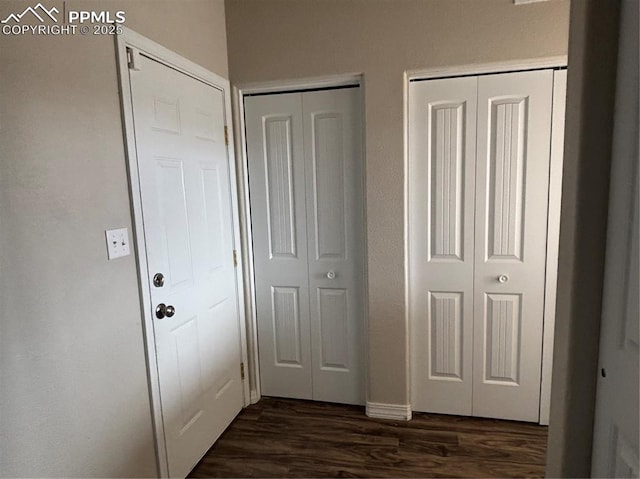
[(117, 243)]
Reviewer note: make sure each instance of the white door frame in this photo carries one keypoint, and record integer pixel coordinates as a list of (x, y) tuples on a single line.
[(555, 192), (239, 92), (130, 39)]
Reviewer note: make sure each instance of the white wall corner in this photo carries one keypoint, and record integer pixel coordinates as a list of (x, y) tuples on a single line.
[(398, 412)]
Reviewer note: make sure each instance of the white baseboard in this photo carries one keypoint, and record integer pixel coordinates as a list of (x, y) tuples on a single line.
[(399, 412), (254, 397)]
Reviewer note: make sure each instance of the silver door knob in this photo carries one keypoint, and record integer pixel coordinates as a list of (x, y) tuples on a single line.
[(158, 280), (503, 278), (163, 310), (331, 274)]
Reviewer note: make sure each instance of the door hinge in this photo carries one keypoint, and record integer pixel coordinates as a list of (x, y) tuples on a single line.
[(133, 59), (235, 258), (242, 371), (226, 135)]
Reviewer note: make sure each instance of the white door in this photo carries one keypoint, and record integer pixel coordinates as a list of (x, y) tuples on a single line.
[(305, 176), (479, 176), (186, 202), (442, 118), (333, 169), (512, 184), (278, 223), (616, 441)]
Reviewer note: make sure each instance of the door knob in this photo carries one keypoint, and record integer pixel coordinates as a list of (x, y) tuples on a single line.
[(331, 274), (503, 278), (158, 280), (163, 310)]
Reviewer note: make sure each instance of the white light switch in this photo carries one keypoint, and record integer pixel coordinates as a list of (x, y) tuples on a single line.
[(117, 243)]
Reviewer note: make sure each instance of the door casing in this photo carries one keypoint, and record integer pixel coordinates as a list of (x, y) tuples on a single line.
[(245, 210), (555, 191), (130, 39)]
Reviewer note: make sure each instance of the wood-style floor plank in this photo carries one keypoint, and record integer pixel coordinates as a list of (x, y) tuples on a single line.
[(292, 438)]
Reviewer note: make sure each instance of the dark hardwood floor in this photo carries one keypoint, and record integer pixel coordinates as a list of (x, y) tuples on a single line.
[(291, 438)]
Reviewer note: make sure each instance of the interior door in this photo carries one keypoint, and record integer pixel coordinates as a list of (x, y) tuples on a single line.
[(512, 180), (332, 146), (442, 118), (616, 440), (278, 223), (186, 202), (305, 179)]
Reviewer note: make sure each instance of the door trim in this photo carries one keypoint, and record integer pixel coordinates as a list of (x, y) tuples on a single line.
[(558, 114), (543, 63), (130, 39), (242, 166), (555, 191)]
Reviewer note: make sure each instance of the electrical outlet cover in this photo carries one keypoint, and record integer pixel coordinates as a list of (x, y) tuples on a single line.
[(117, 243)]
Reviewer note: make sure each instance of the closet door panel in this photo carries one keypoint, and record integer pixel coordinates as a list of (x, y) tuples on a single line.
[(333, 156), (442, 116), (279, 230), (514, 132)]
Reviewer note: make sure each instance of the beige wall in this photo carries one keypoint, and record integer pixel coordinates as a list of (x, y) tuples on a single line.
[(285, 39), (73, 385)]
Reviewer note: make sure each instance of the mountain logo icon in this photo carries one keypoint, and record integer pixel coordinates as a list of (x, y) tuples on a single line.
[(39, 11)]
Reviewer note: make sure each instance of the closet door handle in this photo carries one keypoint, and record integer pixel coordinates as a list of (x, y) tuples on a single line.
[(331, 274), (503, 278)]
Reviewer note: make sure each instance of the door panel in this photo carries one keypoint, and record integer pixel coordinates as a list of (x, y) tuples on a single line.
[(286, 316), (442, 116), (328, 184), (334, 328), (305, 177), (174, 232), (280, 194), (506, 182), (513, 131), (212, 193), (616, 448), (333, 154), (279, 226), (186, 203), (445, 332), (616, 433), (446, 172), (504, 316)]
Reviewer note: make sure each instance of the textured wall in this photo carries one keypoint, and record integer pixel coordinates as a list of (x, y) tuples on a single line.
[(286, 39), (73, 385)]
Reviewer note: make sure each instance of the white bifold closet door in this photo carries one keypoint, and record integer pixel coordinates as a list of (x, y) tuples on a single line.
[(442, 176), (305, 179), (512, 190), (479, 176)]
